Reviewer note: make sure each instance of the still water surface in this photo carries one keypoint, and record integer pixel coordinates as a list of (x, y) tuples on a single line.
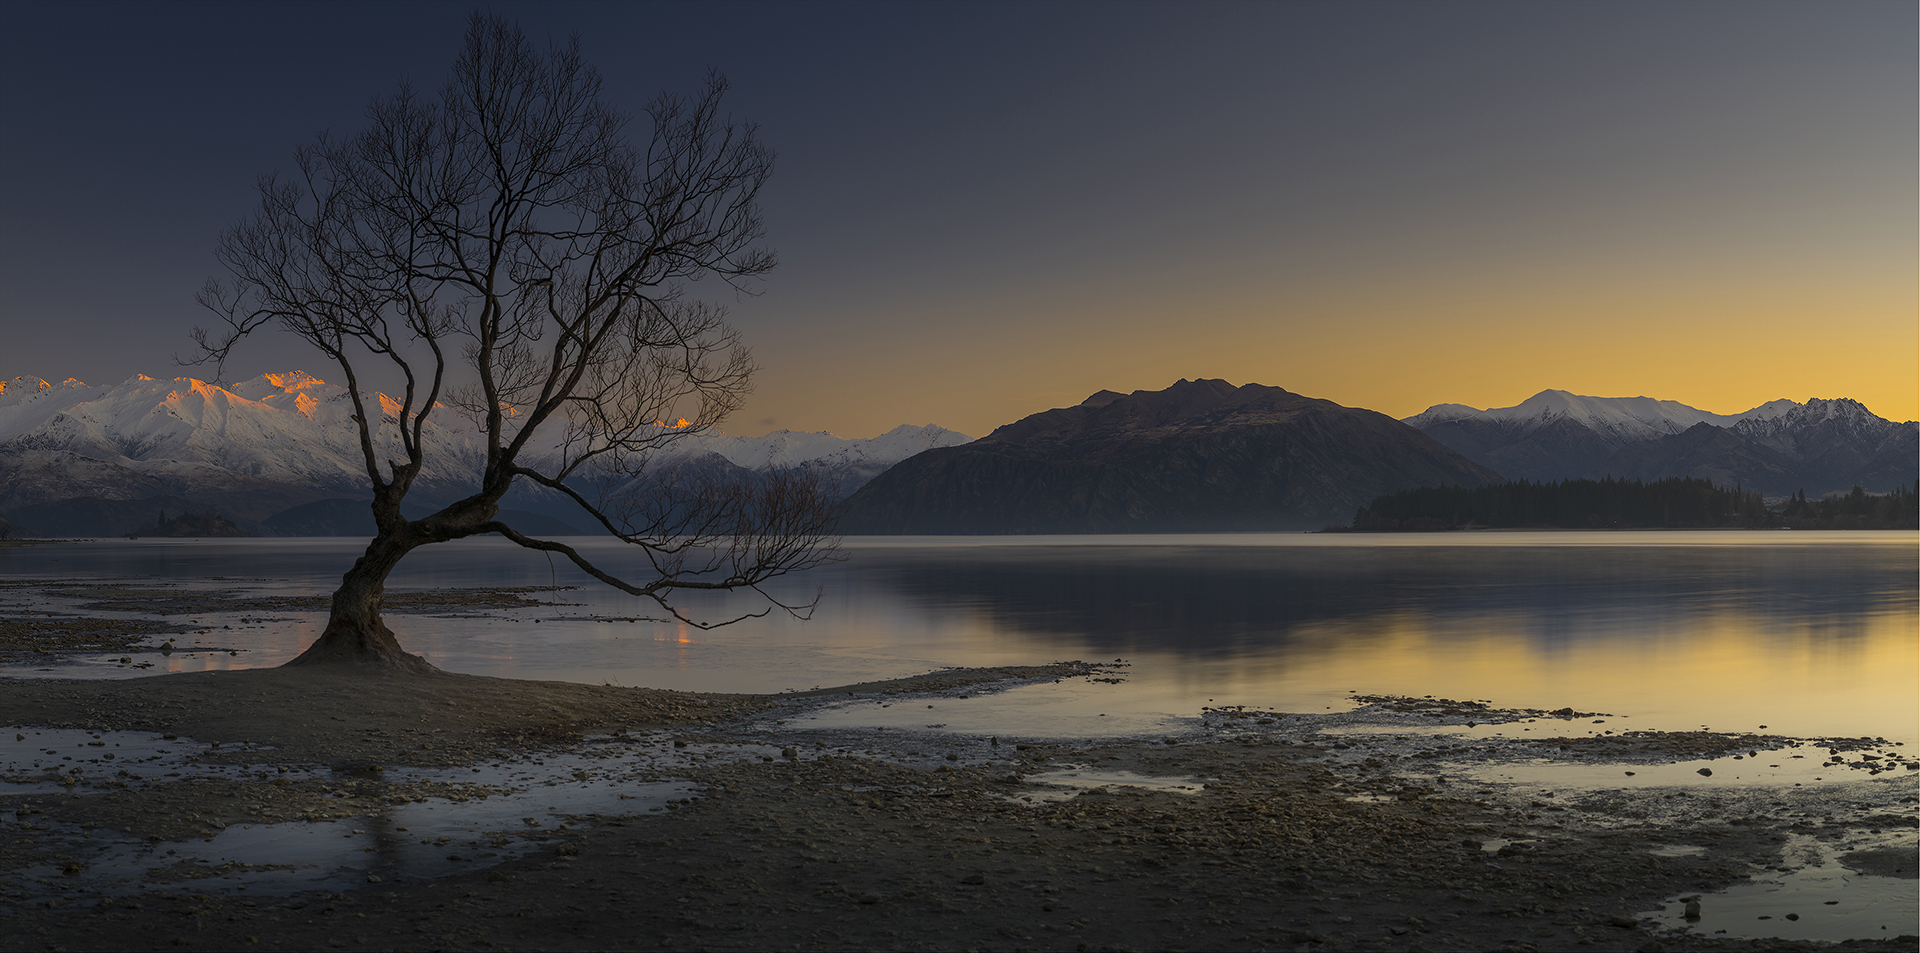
[(1806, 633)]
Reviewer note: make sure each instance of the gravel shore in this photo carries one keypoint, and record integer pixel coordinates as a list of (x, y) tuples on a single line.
[(1255, 831)]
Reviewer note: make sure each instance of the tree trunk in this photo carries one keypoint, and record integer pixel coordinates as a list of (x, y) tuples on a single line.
[(355, 633)]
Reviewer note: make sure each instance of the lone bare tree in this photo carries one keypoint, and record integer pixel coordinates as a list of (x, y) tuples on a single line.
[(511, 254)]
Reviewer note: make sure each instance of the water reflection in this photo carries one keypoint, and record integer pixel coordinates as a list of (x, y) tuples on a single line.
[(1208, 600), (1680, 631), (1810, 633)]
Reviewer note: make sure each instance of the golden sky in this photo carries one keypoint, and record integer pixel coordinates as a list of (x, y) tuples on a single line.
[(983, 212), (1714, 205)]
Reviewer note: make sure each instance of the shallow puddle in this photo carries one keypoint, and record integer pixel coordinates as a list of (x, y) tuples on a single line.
[(49, 760), (1817, 898), (1071, 780), (534, 794), (1783, 767), (410, 841), (1824, 901), (1677, 850), (1074, 709), (1494, 845)]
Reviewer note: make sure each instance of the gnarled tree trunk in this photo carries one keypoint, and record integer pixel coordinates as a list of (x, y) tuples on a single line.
[(355, 633)]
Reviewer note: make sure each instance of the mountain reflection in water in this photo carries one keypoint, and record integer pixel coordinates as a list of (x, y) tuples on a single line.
[(1814, 634), (1228, 599), (1809, 633)]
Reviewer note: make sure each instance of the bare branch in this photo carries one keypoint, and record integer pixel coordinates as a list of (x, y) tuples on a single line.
[(513, 210)]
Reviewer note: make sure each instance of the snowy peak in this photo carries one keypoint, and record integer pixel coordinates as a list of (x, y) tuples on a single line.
[(287, 438), (1441, 413), (1821, 421), (1842, 409), (906, 440), (287, 428), (787, 448), (1621, 419), (298, 392), (1609, 413), (1824, 445), (22, 390), (143, 416), (1770, 410), (286, 383)]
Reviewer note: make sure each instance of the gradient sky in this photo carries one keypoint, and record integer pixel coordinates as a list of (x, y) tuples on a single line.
[(986, 210)]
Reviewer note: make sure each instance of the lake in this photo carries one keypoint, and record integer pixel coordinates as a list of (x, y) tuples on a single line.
[(1808, 634)]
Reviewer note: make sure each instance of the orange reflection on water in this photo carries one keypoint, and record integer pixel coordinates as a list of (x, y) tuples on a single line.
[(680, 636), (679, 633), (1729, 669)]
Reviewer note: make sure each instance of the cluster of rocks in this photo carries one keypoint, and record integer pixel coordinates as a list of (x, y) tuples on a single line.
[(1483, 711)]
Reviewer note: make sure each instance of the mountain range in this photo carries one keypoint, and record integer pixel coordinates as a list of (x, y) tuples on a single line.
[(1780, 447), (1200, 456), (278, 455)]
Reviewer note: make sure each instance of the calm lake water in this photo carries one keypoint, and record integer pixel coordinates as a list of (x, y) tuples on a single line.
[(1806, 633)]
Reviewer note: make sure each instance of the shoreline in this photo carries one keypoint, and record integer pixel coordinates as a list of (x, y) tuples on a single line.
[(1300, 832)]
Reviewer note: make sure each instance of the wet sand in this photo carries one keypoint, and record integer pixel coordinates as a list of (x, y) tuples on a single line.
[(1290, 837)]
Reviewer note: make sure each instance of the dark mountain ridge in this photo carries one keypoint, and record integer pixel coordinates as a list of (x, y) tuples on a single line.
[(1199, 456), (1825, 446)]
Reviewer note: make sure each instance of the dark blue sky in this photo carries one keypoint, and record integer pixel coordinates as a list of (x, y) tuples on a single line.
[(985, 210)]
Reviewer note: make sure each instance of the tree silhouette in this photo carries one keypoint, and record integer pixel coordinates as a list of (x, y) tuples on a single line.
[(507, 236)]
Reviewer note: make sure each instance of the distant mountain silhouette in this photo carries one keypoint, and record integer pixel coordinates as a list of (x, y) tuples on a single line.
[(77, 460), (343, 517), (1822, 446), (1200, 456)]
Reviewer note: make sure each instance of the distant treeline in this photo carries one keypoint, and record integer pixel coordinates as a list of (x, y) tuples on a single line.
[(1855, 510), (190, 525), (1673, 503)]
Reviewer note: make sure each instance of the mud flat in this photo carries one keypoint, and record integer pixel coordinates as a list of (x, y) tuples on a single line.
[(302, 809)]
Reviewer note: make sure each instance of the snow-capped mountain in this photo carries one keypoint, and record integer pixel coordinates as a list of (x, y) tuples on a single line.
[(260, 446), (1623, 419), (1840, 443), (844, 465), (1795, 430), (73, 454), (788, 448), (1781, 446)]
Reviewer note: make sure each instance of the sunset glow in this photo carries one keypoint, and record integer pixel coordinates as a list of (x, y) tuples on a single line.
[(1388, 206), (1403, 474)]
